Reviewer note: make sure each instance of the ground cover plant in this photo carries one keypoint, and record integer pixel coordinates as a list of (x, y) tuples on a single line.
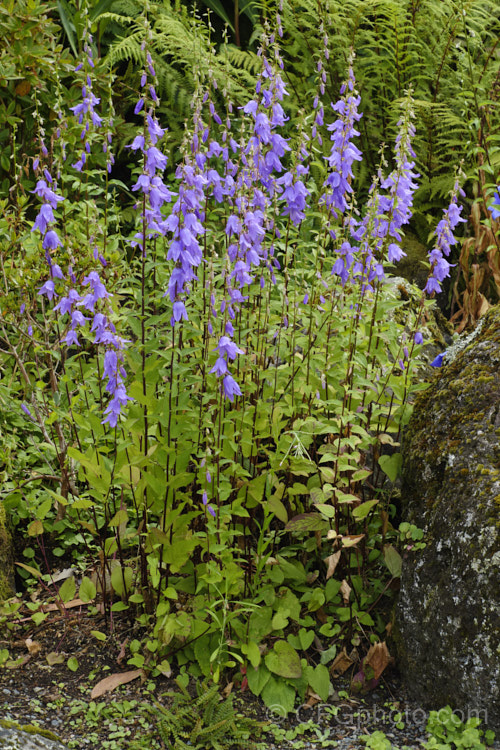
[(213, 368)]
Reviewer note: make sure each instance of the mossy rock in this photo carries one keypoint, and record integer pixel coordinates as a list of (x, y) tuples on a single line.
[(448, 614), (6, 559), (28, 737)]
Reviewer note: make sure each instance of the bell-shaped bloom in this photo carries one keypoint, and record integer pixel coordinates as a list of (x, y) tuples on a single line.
[(231, 387)]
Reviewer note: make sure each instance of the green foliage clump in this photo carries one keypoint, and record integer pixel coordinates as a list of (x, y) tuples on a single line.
[(206, 722), (235, 531)]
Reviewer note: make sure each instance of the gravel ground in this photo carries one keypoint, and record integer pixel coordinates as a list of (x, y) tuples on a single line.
[(340, 723)]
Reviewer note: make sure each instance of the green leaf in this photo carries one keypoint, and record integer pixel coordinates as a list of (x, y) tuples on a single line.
[(68, 589), (280, 621), (391, 465), (121, 580), (35, 528), (393, 560), (276, 506), (278, 696), (252, 650), (67, 23), (329, 654), (283, 660), (306, 637), (39, 617), (218, 8), (87, 591), (258, 678), (319, 680), (97, 634), (33, 571), (72, 663), (306, 522), (260, 623), (362, 510)]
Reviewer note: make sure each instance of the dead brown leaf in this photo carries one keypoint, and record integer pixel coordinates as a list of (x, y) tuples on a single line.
[(113, 681), (312, 699), (34, 647), (378, 658), (345, 590), (55, 658), (67, 605), (332, 561), (341, 663)]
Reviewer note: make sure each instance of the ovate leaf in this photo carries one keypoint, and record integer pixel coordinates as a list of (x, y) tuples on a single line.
[(319, 680), (306, 522), (121, 580), (283, 660), (68, 589), (362, 510), (87, 591), (393, 560)]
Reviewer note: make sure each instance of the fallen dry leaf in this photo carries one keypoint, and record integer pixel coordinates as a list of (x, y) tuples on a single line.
[(63, 574), (378, 658), (111, 682), (55, 658), (67, 605), (341, 663), (312, 699), (332, 561), (34, 647), (345, 590)]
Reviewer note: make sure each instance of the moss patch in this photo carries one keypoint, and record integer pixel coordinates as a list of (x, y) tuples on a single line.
[(6, 572)]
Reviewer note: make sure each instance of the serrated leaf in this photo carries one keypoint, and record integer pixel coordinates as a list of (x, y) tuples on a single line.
[(283, 660)]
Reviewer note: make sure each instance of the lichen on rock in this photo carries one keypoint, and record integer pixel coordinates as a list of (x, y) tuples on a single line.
[(448, 614)]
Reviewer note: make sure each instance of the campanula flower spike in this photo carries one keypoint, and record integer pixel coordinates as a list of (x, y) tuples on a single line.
[(440, 267)]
